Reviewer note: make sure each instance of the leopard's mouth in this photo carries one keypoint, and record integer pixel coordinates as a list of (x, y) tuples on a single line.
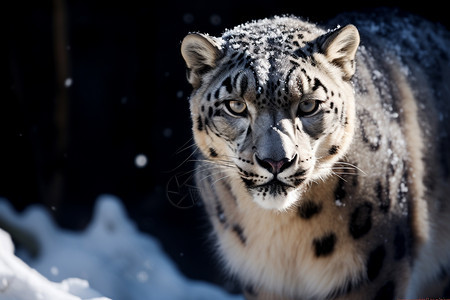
[(278, 192), (274, 187), (276, 195)]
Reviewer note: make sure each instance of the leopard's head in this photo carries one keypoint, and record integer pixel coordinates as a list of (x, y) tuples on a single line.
[(272, 104)]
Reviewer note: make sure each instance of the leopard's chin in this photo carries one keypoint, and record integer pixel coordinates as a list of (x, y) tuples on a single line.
[(276, 196)]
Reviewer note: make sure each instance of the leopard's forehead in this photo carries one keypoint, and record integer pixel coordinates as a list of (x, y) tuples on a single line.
[(275, 34), (268, 38), (269, 47)]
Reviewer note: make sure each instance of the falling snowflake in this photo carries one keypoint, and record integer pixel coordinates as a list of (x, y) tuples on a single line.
[(140, 161), (68, 82)]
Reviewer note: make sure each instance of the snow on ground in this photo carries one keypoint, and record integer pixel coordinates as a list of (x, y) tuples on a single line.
[(111, 256), (18, 281)]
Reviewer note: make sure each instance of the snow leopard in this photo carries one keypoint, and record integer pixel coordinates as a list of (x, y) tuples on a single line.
[(323, 154)]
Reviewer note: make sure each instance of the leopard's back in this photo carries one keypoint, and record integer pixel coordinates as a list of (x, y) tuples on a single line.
[(403, 85)]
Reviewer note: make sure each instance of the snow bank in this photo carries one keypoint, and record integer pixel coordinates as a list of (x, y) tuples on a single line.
[(111, 256), (19, 282)]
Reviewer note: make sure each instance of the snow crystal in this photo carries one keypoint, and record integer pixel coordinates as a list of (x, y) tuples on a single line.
[(394, 115), (374, 140), (140, 161), (68, 82), (54, 270), (376, 74), (259, 90), (236, 46), (339, 203), (403, 187)]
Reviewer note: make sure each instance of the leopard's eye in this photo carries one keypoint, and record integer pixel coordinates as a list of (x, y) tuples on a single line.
[(236, 107), (308, 108)]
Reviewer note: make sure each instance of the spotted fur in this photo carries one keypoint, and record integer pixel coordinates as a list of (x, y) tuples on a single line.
[(324, 164)]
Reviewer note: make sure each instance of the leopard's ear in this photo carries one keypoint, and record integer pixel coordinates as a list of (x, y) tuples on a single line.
[(200, 52), (340, 48)]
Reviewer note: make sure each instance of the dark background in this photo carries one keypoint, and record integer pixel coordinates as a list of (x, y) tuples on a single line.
[(62, 145)]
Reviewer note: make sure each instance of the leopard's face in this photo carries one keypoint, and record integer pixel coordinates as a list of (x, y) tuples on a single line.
[(274, 117)]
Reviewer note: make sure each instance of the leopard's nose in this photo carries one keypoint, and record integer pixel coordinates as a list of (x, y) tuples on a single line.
[(275, 166)]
